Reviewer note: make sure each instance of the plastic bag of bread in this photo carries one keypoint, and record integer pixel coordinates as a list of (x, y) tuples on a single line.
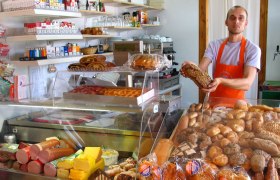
[(148, 168), (237, 173), (148, 62), (172, 171), (192, 71), (198, 169)]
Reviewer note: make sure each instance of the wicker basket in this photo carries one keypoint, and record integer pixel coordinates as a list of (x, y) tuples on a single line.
[(105, 47), (89, 50)]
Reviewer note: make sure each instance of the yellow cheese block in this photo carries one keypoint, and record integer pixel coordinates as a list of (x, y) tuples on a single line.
[(94, 152), (83, 162), (82, 175), (62, 173), (66, 164)]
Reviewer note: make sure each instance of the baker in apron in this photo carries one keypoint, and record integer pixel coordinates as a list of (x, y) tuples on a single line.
[(235, 59)]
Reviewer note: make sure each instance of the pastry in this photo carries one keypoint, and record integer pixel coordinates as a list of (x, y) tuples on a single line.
[(76, 67), (96, 66), (200, 78), (144, 62), (94, 58)]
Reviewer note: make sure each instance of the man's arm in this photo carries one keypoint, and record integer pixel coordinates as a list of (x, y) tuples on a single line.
[(241, 83), (204, 63)]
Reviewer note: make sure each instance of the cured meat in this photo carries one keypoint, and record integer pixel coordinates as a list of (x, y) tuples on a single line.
[(35, 167), (23, 155), (35, 149), (55, 153)]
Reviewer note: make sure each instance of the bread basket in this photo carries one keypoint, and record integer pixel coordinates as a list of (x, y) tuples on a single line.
[(89, 50)]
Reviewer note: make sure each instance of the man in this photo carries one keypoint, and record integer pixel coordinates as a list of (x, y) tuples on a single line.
[(235, 59)]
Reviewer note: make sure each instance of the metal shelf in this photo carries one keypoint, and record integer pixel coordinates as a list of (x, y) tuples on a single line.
[(117, 3), (39, 12), (43, 37), (43, 62)]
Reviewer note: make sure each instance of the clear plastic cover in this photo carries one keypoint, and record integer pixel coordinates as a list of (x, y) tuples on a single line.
[(141, 62)]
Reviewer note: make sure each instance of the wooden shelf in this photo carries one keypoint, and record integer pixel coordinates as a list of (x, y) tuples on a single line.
[(149, 25), (39, 12), (124, 28), (43, 62), (97, 36), (117, 3), (94, 13), (43, 37)]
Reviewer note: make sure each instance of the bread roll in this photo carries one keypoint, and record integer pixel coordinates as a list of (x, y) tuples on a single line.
[(163, 150)]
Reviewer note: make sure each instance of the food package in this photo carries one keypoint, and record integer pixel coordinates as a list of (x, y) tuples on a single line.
[(148, 167), (245, 135), (148, 62)]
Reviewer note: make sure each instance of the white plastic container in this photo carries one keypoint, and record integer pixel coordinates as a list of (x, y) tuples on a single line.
[(110, 156)]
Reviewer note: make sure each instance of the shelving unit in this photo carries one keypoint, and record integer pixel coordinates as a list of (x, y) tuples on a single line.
[(124, 28), (94, 13), (117, 3), (71, 59), (97, 36), (149, 25), (39, 12), (42, 37)]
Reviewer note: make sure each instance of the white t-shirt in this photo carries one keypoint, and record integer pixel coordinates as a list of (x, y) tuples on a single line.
[(231, 51)]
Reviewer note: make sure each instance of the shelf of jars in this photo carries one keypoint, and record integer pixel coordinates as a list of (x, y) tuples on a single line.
[(68, 59), (118, 3), (124, 28), (43, 37)]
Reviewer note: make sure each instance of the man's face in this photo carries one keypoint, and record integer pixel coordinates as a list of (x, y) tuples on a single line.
[(236, 21)]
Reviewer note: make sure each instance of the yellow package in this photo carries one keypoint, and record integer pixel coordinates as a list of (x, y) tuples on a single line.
[(62, 173)]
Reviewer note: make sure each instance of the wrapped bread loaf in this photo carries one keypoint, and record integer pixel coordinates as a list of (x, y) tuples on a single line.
[(200, 78)]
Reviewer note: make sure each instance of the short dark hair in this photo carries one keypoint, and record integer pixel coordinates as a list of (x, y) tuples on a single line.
[(237, 7)]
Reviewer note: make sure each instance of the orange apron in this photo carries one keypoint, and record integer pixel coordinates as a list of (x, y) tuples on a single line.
[(231, 72)]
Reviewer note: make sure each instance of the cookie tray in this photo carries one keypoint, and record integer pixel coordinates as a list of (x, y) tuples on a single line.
[(110, 100)]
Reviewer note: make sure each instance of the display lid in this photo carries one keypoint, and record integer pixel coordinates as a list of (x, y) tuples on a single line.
[(142, 62)]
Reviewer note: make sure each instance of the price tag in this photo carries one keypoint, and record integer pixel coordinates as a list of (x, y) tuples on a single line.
[(155, 108)]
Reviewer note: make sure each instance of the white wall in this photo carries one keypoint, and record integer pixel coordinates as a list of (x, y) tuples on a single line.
[(180, 21), (273, 39)]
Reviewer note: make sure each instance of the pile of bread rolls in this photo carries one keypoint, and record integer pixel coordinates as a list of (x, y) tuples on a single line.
[(246, 136)]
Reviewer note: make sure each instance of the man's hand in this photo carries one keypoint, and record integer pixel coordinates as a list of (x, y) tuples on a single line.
[(213, 85), (182, 71)]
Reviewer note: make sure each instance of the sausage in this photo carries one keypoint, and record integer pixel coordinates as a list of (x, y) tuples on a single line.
[(55, 153), (50, 169), (16, 165), (35, 167), (37, 148), (23, 167), (23, 155)]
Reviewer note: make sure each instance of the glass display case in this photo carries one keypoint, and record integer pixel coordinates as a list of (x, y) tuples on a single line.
[(93, 109)]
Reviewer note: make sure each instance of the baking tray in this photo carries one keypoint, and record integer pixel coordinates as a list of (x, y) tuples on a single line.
[(111, 100)]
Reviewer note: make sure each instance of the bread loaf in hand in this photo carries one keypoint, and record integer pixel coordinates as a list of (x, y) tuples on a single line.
[(200, 78)]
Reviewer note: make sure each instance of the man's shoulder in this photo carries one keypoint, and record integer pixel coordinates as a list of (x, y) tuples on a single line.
[(251, 45)]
